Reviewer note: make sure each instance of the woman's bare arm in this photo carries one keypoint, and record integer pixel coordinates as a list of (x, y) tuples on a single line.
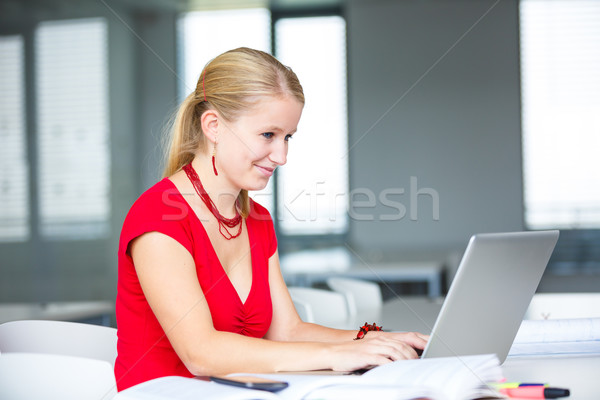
[(168, 278)]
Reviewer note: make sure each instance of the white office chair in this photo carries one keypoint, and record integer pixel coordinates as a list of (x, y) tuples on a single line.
[(304, 310), (320, 306), (362, 296), (59, 337), (27, 376)]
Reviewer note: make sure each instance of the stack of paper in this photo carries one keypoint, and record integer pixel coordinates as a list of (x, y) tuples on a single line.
[(557, 336)]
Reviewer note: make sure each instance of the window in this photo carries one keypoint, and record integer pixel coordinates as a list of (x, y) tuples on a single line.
[(227, 29), (313, 186), (311, 193), (14, 171), (73, 148), (560, 60), (206, 34)]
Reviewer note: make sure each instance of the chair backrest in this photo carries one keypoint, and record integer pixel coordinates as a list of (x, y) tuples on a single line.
[(59, 337), (26, 376), (320, 306), (361, 295), (304, 311)]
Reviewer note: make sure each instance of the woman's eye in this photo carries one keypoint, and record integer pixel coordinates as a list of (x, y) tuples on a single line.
[(268, 135), (288, 137)]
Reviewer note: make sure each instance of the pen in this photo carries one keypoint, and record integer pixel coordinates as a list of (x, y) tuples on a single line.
[(535, 392)]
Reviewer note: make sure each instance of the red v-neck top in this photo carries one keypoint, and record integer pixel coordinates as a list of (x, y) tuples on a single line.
[(144, 352)]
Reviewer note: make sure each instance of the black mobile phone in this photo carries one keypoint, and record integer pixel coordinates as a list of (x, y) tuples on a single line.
[(251, 382)]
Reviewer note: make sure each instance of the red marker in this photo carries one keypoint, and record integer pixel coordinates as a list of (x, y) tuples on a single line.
[(535, 392)]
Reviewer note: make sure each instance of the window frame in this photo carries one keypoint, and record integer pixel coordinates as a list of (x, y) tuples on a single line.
[(25, 37), (100, 229), (577, 250), (538, 78), (27, 32), (35, 237)]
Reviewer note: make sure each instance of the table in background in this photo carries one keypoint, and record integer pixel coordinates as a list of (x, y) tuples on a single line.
[(429, 272), (97, 312), (309, 267)]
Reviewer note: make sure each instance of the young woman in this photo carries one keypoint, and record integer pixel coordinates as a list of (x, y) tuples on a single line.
[(200, 289)]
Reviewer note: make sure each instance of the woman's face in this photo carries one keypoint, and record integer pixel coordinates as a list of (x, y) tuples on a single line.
[(250, 148)]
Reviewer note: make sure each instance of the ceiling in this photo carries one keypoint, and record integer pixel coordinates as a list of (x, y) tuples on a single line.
[(21, 8)]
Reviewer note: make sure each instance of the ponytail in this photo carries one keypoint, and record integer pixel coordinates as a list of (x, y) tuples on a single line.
[(185, 136)]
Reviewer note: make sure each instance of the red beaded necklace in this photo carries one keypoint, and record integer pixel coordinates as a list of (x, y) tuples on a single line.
[(224, 223)]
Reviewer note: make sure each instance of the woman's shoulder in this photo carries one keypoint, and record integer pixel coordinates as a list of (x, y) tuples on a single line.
[(163, 199), (162, 188), (160, 208), (163, 185)]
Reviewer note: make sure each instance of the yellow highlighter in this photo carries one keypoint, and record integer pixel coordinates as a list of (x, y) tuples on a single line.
[(513, 385)]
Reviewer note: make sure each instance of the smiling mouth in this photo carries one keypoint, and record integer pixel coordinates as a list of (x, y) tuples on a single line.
[(265, 170)]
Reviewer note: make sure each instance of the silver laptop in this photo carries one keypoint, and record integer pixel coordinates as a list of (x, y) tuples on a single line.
[(493, 286)]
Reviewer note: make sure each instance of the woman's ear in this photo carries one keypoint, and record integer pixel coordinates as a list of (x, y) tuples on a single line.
[(210, 124)]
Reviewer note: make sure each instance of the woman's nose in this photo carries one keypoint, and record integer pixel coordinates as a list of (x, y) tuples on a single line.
[(279, 153)]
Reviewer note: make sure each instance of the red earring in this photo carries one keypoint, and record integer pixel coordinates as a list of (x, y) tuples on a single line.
[(213, 159)]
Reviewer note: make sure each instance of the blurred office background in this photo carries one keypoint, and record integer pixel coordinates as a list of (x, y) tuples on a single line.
[(426, 122)]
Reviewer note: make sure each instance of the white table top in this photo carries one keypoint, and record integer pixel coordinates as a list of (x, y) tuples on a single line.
[(576, 373)]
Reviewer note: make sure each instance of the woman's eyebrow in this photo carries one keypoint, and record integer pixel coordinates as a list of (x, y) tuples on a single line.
[(272, 128), (278, 129)]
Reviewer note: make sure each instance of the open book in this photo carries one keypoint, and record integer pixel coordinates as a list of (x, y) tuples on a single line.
[(451, 378)]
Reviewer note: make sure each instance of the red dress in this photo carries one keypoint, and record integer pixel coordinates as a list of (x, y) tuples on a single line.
[(144, 352)]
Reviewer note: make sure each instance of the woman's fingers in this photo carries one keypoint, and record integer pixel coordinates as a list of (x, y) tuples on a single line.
[(392, 348), (378, 348), (414, 339), (402, 352)]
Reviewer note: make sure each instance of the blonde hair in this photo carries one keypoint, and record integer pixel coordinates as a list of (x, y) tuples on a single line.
[(231, 83)]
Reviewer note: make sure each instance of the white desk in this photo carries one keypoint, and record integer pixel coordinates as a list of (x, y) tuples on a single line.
[(58, 311), (579, 374)]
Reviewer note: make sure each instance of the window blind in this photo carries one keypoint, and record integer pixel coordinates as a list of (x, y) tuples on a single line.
[(14, 172), (560, 64), (73, 146)]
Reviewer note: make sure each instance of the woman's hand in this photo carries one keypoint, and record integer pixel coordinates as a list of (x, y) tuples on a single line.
[(377, 348), (416, 340)]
